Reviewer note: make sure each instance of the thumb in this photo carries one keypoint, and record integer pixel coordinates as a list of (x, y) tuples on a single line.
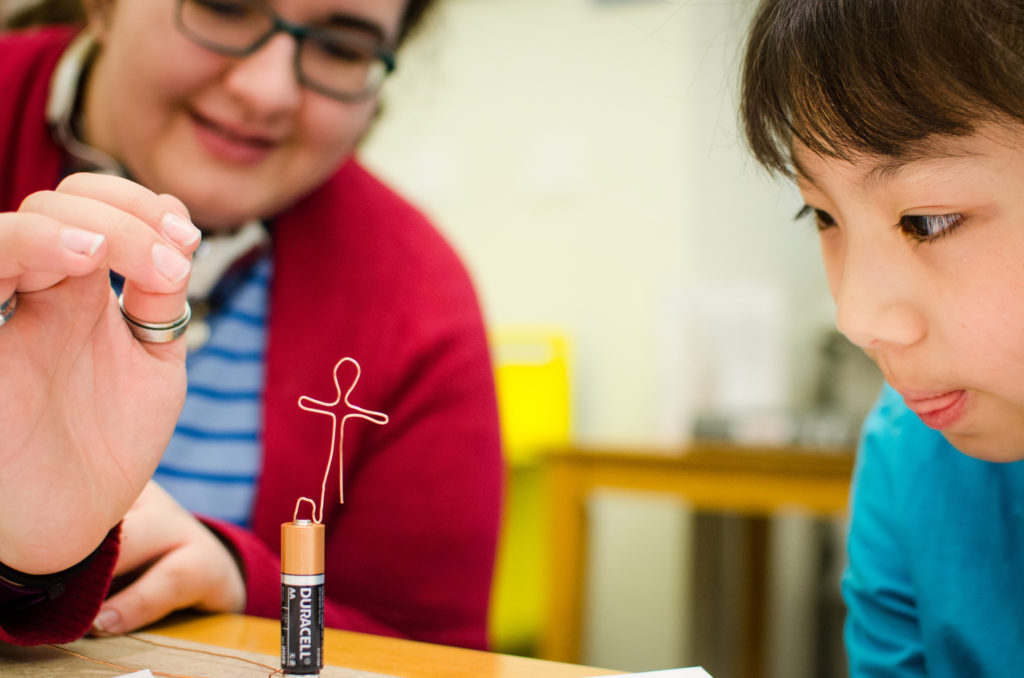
[(169, 584)]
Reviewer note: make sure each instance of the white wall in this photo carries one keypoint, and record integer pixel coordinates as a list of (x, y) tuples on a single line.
[(584, 158)]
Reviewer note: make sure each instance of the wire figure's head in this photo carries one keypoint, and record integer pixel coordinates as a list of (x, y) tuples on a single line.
[(349, 411)]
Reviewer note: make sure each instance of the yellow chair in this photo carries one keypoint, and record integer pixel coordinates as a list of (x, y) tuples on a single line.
[(532, 375)]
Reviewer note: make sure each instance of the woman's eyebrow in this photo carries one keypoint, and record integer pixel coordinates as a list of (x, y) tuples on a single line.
[(353, 22)]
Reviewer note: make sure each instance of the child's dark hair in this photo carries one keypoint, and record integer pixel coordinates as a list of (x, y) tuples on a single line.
[(880, 77), (72, 12)]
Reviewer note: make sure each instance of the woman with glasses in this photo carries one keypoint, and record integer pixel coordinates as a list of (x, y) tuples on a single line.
[(180, 204)]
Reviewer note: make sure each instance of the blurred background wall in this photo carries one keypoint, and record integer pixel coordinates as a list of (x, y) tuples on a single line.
[(584, 157)]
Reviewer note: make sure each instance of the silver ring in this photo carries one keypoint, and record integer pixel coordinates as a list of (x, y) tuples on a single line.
[(7, 309), (156, 333)]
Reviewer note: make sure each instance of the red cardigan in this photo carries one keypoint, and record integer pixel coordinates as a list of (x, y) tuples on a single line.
[(357, 272)]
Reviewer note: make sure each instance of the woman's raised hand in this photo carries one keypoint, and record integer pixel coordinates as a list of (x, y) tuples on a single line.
[(86, 408)]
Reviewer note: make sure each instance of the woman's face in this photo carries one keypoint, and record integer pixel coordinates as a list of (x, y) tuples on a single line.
[(925, 261), (233, 138)]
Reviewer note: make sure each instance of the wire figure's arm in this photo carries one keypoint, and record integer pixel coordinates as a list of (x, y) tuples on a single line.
[(337, 431)]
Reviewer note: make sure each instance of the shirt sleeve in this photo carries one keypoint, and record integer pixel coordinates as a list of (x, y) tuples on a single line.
[(69, 616), (411, 553), (882, 633)]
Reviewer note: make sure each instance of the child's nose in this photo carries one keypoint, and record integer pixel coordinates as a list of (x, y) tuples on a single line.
[(875, 299)]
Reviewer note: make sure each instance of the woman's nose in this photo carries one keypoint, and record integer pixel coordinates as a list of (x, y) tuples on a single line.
[(266, 80)]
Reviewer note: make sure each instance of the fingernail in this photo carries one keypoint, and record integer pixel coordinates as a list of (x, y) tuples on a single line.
[(107, 621), (169, 263), (80, 241), (179, 229)]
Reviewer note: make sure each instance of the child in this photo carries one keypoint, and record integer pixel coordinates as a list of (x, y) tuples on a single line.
[(902, 123)]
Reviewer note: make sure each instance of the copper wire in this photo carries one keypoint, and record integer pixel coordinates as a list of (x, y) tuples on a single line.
[(120, 667), (337, 433)]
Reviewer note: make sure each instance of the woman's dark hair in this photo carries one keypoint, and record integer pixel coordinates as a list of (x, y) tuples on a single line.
[(879, 77), (415, 12), (48, 12), (72, 12)]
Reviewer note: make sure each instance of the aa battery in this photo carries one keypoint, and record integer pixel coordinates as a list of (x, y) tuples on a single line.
[(302, 598)]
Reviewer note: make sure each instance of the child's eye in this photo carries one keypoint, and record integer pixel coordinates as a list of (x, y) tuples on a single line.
[(929, 227), (822, 219)]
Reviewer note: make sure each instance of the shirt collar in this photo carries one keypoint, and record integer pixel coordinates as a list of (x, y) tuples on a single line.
[(63, 104)]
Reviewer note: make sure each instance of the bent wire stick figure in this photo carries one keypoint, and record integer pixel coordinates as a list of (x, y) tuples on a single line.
[(337, 430)]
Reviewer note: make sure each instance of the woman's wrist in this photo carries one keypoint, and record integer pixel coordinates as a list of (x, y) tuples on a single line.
[(21, 587)]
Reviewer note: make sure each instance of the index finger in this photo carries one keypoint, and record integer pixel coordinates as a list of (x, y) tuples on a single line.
[(169, 219), (135, 199)]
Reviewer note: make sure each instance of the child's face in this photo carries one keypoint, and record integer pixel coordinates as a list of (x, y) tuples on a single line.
[(232, 137), (925, 261)]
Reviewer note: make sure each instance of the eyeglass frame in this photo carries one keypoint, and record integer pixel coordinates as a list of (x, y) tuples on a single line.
[(299, 32)]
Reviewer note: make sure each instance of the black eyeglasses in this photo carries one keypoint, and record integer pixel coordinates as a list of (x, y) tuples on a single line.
[(344, 59)]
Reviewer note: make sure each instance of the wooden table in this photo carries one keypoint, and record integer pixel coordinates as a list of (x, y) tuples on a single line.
[(720, 477), (360, 651)]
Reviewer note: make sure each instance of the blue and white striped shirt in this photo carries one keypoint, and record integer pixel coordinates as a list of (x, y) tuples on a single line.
[(214, 459)]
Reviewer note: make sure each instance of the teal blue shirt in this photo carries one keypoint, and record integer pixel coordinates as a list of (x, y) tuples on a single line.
[(935, 580)]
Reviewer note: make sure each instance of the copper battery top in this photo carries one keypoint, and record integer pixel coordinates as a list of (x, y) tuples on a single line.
[(302, 547)]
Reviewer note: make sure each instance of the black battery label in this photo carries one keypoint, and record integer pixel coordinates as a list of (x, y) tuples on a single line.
[(302, 624)]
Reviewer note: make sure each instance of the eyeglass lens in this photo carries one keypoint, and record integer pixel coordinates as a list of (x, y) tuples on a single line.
[(338, 60)]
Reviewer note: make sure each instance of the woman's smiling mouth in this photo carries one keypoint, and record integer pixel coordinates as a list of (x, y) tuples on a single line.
[(230, 144)]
